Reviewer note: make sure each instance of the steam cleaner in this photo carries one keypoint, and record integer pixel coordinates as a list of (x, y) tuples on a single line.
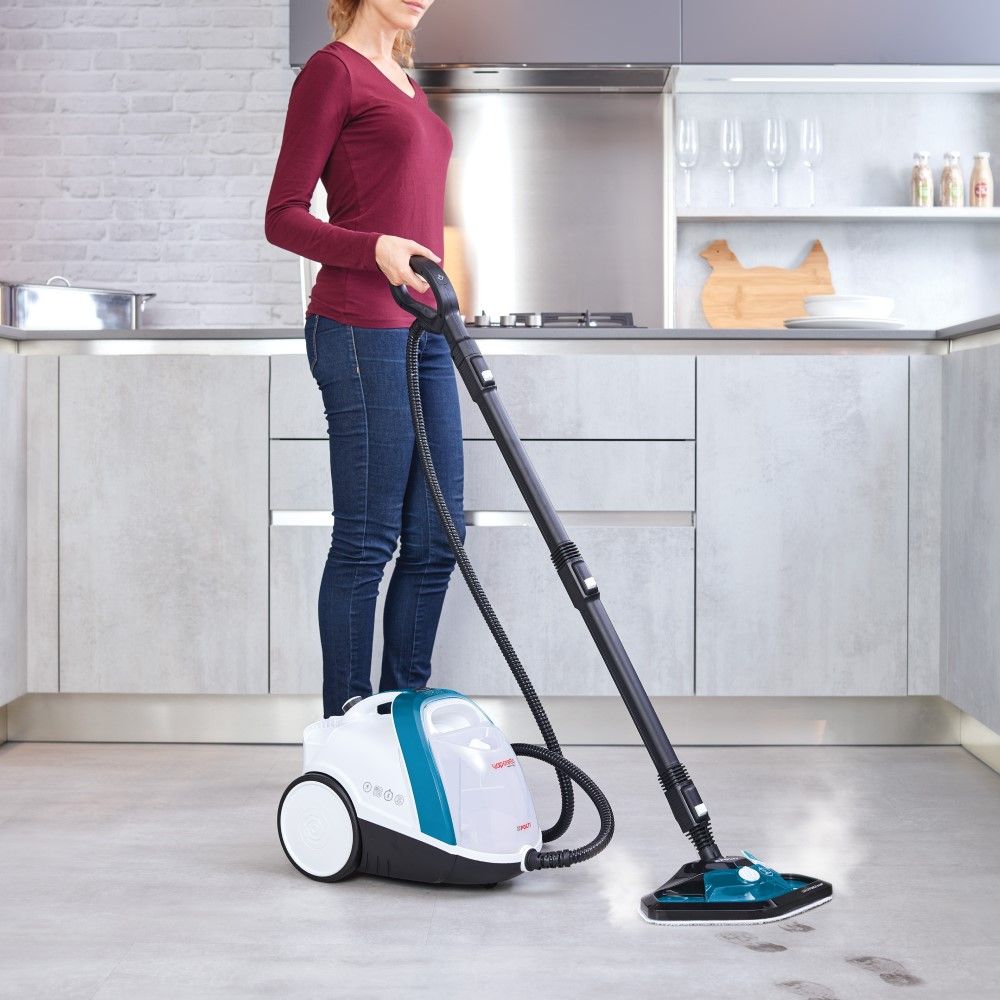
[(422, 786)]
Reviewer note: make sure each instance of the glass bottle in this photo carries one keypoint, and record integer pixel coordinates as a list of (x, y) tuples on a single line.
[(921, 181), (952, 184), (981, 182)]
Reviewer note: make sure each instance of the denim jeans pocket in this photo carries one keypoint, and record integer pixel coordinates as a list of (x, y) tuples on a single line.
[(331, 350)]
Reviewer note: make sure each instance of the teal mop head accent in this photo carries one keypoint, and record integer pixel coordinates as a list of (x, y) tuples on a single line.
[(732, 890)]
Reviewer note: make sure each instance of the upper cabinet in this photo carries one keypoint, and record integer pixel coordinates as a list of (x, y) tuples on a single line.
[(485, 32), (846, 31), (557, 31)]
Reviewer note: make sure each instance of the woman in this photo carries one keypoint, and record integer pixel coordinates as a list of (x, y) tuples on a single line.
[(359, 122)]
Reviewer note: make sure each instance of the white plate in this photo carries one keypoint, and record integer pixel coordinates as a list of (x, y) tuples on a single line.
[(843, 323), (875, 306)]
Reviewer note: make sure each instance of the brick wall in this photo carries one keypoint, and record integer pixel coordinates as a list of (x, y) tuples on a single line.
[(138, 141)]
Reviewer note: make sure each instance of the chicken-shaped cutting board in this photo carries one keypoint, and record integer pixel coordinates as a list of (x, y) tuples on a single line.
[(735, 296)]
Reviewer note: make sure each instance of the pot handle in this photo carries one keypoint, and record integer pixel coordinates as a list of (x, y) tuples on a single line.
[(58, 277)]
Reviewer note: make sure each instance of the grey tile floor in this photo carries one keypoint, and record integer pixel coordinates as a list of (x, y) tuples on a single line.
[(154, 871)]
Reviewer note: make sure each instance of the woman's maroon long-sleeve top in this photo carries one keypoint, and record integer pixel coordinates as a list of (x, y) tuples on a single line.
[(383, 159)]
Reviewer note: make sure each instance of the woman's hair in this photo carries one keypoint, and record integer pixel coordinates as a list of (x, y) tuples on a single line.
[(341, 14)]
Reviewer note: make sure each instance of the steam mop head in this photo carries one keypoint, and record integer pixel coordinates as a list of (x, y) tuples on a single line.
[(732, 891)]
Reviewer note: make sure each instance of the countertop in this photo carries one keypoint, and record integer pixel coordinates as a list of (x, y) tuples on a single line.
[(478, 332), (290, 333)]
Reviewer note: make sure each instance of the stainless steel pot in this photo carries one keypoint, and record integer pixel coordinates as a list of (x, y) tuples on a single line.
[(66, 307)]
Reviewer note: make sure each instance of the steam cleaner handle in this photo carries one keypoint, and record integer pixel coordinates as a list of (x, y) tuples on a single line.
[(444, 294)]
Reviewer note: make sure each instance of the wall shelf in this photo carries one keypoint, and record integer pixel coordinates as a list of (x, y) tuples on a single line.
[(871, 213)]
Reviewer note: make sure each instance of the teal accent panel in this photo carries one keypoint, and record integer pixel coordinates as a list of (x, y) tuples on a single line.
[(429, 797)]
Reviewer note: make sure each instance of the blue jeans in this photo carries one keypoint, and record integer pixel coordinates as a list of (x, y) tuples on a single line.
[(379, 497)]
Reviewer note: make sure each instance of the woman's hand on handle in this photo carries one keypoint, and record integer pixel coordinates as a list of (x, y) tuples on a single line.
[(393, 253)]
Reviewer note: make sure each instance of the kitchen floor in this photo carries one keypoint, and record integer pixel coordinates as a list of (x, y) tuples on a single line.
[(155, 871)]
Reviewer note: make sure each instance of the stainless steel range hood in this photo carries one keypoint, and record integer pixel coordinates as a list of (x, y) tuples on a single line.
[(541, 79)]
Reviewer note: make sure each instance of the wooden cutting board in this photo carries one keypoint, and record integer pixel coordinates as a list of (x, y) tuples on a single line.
[(735, 296)]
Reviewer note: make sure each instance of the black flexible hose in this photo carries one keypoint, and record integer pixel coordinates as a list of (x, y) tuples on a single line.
[(551, 753)]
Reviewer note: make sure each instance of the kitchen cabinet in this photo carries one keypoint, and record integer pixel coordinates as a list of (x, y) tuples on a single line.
[(522, 31), (13, 519), (572, 396), (801, 571), (163, 519), (846, 31), (646, 580), (578, 475), (970, 575)]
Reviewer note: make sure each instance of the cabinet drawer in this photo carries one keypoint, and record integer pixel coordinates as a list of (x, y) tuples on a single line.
[(561, 396), (646, 579), (590, 396), (578, 475)]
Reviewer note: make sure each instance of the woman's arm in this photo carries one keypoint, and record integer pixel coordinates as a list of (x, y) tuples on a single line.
[(317, 108)]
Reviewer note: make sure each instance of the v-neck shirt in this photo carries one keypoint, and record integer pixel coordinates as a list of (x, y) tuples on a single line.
[(382, 157)]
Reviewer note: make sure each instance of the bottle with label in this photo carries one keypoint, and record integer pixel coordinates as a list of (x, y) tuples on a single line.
[(952, 183), (981, 182), (921, 181)]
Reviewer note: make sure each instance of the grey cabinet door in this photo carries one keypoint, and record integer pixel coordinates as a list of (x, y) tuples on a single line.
[(646, 580), (577, 475), (589, 396), (163, 524), (557, 31), (13, 528), (845, 31), (801, 571)]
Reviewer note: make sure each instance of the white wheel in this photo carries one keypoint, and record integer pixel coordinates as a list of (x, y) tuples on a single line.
[(318, 828)]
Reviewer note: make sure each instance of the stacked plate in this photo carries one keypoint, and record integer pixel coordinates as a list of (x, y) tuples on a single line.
[(847, 312)]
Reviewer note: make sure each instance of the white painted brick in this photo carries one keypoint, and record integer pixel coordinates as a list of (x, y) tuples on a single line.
[(88, 124), (133, 250), (73, 83), (117, 16), (43, 60), (146, 208), (91, 103), (168, 59), (156, 124), (32, 145), (28, 104), (64, 230), (53, 255), (240, 17), (22, 39), (76, 39), (213, 101), (250, 58), (111, 59), (150, 102), (74, 208), (251, 143)]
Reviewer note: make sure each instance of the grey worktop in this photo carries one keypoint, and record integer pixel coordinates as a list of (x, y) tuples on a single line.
[(288, 333), (480, 333)]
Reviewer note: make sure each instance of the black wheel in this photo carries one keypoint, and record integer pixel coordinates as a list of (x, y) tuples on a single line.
[(318, 828)]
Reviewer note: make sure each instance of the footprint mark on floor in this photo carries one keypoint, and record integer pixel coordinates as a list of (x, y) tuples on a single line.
[(808, 991), (889, 971), (796, 927), (750, 941)]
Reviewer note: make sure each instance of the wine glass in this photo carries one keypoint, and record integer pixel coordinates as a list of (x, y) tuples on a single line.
[(732, 152), (811, 150), (686, 143), (775, 145)]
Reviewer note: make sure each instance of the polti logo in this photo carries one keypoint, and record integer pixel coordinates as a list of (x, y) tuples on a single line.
[(524, 826), (509, 762)]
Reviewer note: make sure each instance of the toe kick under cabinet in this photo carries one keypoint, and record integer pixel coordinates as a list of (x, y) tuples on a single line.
[(612, 438)]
